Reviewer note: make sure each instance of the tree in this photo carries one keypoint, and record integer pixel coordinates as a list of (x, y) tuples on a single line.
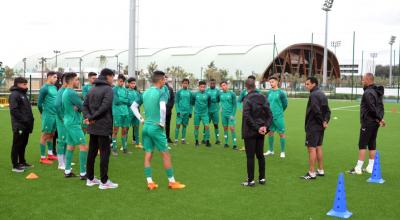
[(8, 72), (150, 70), (212, 72), (238, 74), (178, 73)]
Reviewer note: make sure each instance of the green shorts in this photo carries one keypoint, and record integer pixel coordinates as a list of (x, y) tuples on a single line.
[(227, 121), (201, 118), (214, 117), (48, 123), (278, 125), (61, 132), (122, 121), (182, 119), (75, 136), (153, 136), (134, 121)]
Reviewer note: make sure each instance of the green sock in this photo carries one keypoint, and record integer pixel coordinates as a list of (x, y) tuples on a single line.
[(184, 132), (177, 133), (226, 136), (60, 147), (68, 159), (234, 138), (216, 133), (196, 134), (114, 143), (42, 150), (136, 134), (170, 172), (283, 143), (82, 161), (207, 135), (50, 145), (123, 140), (271, 143), (147, 171)]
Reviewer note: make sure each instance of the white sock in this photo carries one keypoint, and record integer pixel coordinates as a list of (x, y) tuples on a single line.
[(83, 174), (371, 162), (183, 139), (49, 152), (60, 158), (359, 164), (171, 179), (42, 157), (67, 171), (313, 174), (149, 180)]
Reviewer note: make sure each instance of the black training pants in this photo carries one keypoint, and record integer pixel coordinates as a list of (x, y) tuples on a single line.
[(255, 146), (20, 140), (168, 124), (103, 143)]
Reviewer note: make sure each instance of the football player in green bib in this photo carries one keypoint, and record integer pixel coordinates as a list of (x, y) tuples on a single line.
[(134, 95), (201, 102), (213, 111), (278, 102), (61, 138), (120, 114), (153, 133), (228, 114), (72, 105), (184, 110), (47, 109), (86, 88)]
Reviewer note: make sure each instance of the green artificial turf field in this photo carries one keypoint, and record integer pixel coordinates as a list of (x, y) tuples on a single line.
[(213, 177)]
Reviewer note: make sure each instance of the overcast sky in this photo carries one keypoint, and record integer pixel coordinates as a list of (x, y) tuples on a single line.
[(29, 27)]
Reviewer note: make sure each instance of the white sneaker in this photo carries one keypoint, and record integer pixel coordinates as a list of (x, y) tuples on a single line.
[(108, 185), (61, 167), (369, 169), (268, 153), (93, 182), (283, 155)]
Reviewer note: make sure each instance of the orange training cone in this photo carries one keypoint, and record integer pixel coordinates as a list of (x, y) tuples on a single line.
[(32, 176)]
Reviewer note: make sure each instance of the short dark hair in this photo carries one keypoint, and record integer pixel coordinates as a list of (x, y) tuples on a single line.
[(51, 73), (202, 82), (313, 80), (251, 77), (275, 77), (69, 76), (90, 74), (107, 72), (223, 81), (157, 76), (250, 84), (131, 79), (19, 80), (185, 80), (121, 77), (62, 79), (212, 80)]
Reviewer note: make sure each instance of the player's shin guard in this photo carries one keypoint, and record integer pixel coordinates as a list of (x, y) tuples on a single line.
[(82, 162), (226, 137), (42, 151), (234, 143), (283, 143), (124, 144), (68, 159), (271, 143), (50, 147)]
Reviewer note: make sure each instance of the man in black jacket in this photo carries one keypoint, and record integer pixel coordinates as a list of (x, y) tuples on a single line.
[(318, 115), (170, 105), (257, 117), (22, 123), (97, 111), (371, 117)]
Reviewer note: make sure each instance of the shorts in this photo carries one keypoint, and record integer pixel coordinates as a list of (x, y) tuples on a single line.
[(122, 121), (314, 138), (182, 119), (227, 121), (61, 132), (214, 117), (153, 136), (75, 136), (201, 118), (368, 134), (278, 125), (134, 121), (48, 123)]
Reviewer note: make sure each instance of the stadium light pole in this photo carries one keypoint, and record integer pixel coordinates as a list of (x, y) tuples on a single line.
[(373, 56), (132, 39), (326, 7), (24, 60), (42, 62), (391, 42), (56, 52), (336, 44)]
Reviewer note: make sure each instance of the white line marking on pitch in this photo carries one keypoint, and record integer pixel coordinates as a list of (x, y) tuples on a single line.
[(344, 107)]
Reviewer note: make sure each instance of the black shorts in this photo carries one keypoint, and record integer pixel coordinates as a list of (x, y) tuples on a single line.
[(368, 134), (314, 138)]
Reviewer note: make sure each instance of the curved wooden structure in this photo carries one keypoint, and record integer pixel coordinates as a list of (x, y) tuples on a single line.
[(305, 59)]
